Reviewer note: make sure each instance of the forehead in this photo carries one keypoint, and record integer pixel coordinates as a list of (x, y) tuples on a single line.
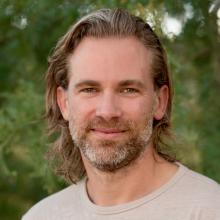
[(111, 59)]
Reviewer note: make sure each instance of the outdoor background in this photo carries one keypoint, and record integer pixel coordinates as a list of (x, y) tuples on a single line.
[(190, 31)]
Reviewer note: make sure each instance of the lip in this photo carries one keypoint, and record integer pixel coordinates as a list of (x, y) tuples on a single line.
[(108, 133)]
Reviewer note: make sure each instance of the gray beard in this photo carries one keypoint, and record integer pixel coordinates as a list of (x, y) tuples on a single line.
[(108, 155)]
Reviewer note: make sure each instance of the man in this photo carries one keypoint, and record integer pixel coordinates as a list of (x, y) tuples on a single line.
[(109, 95)]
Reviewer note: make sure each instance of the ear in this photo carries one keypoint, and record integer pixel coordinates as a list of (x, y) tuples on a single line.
[(62, 101), (162, 96)]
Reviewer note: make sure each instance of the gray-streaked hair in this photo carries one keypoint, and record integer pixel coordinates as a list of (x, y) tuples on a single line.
[(100, 24)]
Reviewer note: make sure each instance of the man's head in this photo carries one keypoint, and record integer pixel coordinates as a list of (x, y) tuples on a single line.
[(108, 92)]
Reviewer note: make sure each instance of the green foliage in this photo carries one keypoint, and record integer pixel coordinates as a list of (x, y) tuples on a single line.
[(30, 29)]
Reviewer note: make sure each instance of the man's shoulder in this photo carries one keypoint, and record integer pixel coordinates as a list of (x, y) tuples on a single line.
[(200, 188), (199, 181), (56, 203)]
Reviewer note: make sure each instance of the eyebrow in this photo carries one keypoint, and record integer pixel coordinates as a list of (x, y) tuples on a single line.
[(87, 83), (123, 83), (132, 82)]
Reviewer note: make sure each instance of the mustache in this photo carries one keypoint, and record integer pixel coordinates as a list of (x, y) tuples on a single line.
[(120, 124)]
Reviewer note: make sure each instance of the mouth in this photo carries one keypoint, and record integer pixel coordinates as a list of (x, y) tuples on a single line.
[(108, 133)]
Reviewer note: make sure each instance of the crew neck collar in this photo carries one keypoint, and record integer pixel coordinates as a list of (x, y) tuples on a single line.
[(105, 210)]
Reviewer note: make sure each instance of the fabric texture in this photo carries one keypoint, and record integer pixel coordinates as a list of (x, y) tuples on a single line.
[(187, 196)]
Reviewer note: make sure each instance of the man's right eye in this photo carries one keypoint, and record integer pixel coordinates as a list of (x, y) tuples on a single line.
[(88, 90)]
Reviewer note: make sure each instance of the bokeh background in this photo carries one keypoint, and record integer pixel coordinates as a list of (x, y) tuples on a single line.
[(29, 29)]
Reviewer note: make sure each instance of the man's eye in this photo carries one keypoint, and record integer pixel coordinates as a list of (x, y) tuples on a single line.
[(89, 90), (129, 90)]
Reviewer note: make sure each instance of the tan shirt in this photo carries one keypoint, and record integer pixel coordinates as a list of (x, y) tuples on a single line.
[(187, 196)]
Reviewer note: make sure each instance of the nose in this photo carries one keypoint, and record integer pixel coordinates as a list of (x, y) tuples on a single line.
[(108, 106)]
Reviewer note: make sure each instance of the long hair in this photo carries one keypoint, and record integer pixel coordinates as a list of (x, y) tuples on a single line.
[(100, 24)]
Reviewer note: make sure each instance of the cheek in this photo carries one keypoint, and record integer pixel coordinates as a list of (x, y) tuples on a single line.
[(139, 111), (80, 109)]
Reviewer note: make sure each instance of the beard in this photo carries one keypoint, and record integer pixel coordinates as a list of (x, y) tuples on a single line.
[(111, 155)]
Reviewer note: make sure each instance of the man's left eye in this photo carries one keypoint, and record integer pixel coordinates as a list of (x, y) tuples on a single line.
[(129, 90)]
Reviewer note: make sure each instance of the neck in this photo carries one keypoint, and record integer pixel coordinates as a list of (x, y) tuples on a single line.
[(149, 173)]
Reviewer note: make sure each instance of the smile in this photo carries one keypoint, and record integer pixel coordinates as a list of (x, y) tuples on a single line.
[(108, 133)]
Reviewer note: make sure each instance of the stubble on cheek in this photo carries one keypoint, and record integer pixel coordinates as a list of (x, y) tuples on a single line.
[(110, 155)]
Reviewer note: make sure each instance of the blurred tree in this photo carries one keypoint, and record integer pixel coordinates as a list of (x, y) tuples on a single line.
[(190, 31)]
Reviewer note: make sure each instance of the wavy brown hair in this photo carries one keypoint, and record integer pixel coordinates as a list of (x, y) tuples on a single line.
[(102, 23)]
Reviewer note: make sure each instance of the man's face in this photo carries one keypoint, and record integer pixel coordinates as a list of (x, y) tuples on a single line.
[(111, 102)]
